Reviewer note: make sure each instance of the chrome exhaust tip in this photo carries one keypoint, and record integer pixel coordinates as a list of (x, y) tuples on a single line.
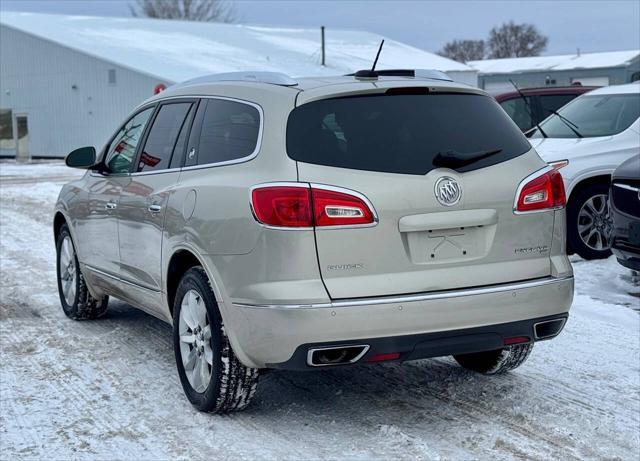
[(336, 355), (548, 328)]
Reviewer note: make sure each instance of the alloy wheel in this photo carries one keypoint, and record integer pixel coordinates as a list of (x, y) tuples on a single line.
[(195, 341), (68, 271), (595, 224)]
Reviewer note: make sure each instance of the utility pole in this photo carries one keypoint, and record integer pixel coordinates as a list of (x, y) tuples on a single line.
[(322, 44)]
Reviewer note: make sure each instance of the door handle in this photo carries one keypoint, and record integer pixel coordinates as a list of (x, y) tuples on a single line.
[(111, 206), (154, 208)]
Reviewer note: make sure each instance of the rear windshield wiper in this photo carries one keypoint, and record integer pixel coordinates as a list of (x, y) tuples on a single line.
[(572, 126), (452, 159)]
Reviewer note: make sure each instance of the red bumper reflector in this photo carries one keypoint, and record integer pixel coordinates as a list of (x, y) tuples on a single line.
[(516, 340), (384, 357)]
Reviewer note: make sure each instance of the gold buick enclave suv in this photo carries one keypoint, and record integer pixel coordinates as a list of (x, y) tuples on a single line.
[(319, 222)]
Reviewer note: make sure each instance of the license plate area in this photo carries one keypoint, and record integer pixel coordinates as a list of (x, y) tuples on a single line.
[(433, 246)]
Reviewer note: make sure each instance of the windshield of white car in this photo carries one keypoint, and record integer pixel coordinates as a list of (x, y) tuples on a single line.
[(595, 115)]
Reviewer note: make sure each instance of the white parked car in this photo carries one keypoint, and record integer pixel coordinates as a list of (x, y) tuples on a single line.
[(588, 138)]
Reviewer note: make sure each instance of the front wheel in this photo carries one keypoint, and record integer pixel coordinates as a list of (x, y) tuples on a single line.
[(495, 362), (77, 303), (589, 225), (212, 377)]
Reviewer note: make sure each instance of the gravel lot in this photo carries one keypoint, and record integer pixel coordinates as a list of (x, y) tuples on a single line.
[(108, 389)]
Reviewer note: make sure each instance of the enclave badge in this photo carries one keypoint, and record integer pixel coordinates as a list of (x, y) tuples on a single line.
[(448, 191)]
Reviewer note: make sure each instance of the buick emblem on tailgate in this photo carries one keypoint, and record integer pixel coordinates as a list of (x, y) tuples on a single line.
[(448, 191)]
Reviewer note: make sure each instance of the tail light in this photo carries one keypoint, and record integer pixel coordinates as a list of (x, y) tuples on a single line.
[(282, 206), (543, 191), (302, 206)]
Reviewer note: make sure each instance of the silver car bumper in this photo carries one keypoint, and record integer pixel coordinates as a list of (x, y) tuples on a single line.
[(270, 334)]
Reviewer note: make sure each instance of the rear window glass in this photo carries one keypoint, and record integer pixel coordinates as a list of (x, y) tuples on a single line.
[(402, 133)]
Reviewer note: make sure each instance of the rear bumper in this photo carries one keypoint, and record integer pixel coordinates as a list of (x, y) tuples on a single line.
[(413, 347), (274, 335)]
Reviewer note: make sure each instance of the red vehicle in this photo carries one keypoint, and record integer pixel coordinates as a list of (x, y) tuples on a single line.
[(543, 101)]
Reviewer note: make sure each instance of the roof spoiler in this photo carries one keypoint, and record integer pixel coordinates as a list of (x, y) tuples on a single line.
[(415, 73), (273, 78)]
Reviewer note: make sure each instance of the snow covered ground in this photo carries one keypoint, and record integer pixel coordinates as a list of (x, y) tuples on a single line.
[(108, 389)]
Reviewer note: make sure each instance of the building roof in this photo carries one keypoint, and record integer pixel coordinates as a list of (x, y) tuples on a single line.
[(549, 63), (179, 50), (628, 88)]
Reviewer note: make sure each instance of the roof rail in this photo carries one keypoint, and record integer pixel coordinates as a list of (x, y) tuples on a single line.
[(416, 73), (274, 78)]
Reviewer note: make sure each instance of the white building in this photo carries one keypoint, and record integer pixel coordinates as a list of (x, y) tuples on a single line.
[(598, 69), (67, 81)]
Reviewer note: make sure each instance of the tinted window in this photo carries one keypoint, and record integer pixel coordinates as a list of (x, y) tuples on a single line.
[(551, 102), (229, 131), (518, 110), (592, 116), (161, 141), (178, 150), (122, 149), (402, 133)]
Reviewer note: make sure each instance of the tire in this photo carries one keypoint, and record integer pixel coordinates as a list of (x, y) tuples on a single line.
[(496, 362), (77, 303), (216, 380), (583, 205)]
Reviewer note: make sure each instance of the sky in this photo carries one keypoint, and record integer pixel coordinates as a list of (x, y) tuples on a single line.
[(428, 24)]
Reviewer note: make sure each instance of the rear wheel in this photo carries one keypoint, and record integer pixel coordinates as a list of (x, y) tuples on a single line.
[(77, 303), (495, 362), (589, 225), (212, 377)]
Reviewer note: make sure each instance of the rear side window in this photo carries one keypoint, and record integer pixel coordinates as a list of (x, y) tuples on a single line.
[(229, 131), (156, 154), (402, 133)]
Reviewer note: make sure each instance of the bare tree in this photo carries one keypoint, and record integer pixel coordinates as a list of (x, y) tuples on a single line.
[(190, 10), (512, 40), (464, 50)]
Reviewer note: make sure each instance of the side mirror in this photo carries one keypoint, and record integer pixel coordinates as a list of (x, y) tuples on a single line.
[(85, 158)]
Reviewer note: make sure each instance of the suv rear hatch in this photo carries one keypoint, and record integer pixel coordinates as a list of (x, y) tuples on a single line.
[(400, 148)]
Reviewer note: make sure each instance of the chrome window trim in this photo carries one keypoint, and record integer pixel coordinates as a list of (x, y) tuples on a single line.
[(523, 183), (456, 293), (244, 159), (307, 185)]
